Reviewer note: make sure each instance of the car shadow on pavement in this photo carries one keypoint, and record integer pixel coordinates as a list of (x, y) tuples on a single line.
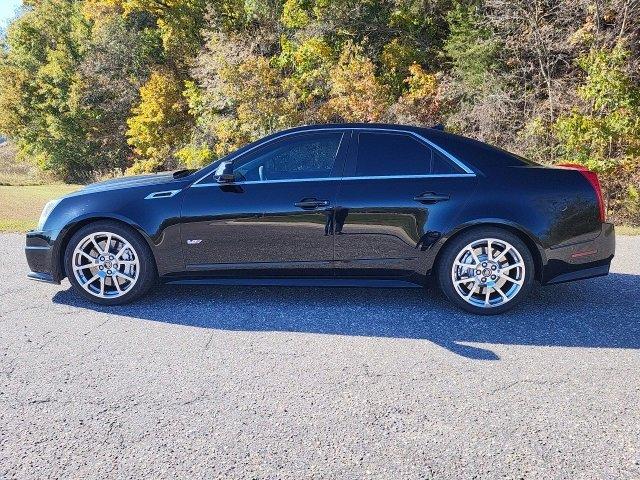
[(597, 313)]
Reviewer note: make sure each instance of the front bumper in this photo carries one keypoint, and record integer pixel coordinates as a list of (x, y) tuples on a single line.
[(42, 258), (581, 260)]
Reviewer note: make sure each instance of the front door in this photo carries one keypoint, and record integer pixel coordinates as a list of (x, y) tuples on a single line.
[(272, 219)]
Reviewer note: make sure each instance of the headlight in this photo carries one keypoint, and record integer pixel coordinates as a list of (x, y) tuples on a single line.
[(48, 208)]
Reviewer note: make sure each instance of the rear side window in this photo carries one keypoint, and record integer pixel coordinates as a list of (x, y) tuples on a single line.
[(383, 154), (389, 154), (441, 165)]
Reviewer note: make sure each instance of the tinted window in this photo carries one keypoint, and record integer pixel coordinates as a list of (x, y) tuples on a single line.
[(441, 165), (299, 157), (387, 154), (381, 154)]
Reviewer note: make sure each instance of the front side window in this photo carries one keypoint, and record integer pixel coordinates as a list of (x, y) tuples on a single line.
[(300, 157), (390, 154)]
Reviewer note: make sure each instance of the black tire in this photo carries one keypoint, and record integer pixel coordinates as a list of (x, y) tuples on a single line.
[(147, 274), (455, 247)]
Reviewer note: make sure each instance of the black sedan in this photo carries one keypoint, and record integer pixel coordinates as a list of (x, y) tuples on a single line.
[(334, 205)]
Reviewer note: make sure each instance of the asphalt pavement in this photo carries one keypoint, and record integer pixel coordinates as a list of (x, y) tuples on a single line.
[(243, 382)]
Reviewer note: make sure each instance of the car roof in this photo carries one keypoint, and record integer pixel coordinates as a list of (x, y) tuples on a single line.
[(368, 126)]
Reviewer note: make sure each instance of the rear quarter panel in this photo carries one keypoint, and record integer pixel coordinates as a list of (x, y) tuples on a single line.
[(556, 206), (552, 207)]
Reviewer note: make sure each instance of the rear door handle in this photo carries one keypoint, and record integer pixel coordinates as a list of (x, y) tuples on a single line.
[(431, 197), (311, 203)]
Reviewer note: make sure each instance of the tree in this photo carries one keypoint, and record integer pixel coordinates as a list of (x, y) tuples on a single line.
[(179, 22), (477, 100), (604, 132), (159, 122), (470, 46), (421, 104), (356, 95), (40, 87), (119, 58)]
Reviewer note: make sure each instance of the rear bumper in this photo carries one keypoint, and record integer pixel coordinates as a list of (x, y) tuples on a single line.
[(42, 261), (581, 260)]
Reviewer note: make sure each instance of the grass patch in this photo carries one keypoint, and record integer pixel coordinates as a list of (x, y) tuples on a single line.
[(20, 206), (15, 171)]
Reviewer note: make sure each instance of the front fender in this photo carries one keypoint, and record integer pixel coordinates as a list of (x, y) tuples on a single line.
[(156, 220)]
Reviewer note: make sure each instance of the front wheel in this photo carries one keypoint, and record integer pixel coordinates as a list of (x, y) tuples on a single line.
[(486, 271), (109, 263)]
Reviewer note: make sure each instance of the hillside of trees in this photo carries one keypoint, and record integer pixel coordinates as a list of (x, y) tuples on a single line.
[(90, 88)]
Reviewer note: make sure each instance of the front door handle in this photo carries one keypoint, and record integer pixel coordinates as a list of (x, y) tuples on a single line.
[(430, 197), (311, 203)]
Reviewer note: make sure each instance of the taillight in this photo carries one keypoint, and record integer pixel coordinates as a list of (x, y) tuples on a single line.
[(592, 178)]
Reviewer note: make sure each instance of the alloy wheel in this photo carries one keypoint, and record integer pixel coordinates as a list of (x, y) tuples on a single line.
[(105, 264), (488, 273)]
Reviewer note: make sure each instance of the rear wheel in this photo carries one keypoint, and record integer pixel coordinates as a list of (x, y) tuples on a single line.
[(486, 271), (109, 263)]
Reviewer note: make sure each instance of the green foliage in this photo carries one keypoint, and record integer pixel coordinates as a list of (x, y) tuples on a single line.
[(179, 22), (195, 156), (397, 58), (607, 128), (95, 87), (470, 45), (308, 65), (632, 201), (604, 132), (118, 60), (40, 85), (294, 15)]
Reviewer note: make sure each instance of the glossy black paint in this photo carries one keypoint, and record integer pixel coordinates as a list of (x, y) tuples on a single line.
[(257, 226), (385, 228)]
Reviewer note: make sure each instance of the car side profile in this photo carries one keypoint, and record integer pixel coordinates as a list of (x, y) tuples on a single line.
[(347, 205)]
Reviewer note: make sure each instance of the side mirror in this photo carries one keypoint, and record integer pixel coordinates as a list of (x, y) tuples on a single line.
[(224, 172)]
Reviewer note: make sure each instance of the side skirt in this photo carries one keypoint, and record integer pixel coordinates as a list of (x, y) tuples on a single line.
[(42, 277), (297, 282)]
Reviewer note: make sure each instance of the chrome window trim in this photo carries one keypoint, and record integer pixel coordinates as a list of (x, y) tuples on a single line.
[(337, 179), (459, 163), (383, 177)]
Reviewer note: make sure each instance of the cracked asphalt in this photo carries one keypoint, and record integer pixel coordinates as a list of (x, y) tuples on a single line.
[(241, 382)]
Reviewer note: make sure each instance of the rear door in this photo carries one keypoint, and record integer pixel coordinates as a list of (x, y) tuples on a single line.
[(399, 194)]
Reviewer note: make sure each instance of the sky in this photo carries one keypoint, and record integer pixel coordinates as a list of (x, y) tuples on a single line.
[(7, 10)]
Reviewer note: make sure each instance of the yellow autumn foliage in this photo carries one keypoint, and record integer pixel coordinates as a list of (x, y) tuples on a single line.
[(159, 122), (356, 94)]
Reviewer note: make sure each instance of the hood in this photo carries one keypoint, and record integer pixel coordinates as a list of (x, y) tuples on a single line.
[(128, 182)]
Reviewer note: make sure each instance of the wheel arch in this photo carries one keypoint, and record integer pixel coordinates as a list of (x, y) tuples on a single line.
[(527, 238), (70, 229)]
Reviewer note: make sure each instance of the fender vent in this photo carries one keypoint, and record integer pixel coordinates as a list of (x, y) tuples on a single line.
[(164, 194)]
